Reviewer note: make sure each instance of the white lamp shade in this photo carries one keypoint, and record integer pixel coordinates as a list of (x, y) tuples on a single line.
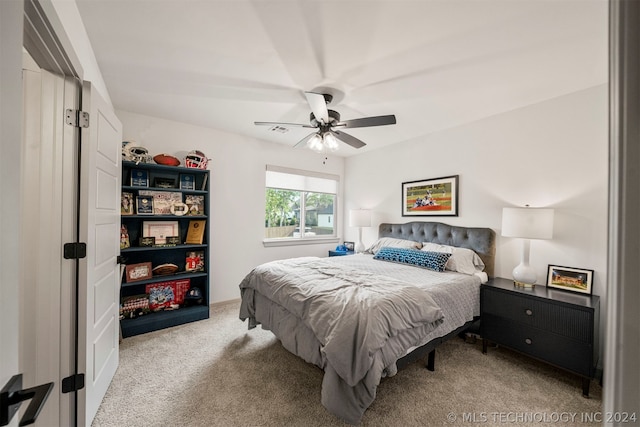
[(360, 218), (527, 223)]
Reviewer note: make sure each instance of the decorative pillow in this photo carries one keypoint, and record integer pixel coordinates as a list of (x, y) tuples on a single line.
[(392, 242), (462, 260), (431, 260)]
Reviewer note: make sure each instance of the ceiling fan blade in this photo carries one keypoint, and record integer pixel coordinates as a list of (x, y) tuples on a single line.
[(369, 121), (298, 125), (304, 140), (318, 106), (348, 139)]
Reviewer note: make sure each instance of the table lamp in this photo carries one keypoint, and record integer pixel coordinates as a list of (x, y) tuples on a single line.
[(527, 223), (359, 218)]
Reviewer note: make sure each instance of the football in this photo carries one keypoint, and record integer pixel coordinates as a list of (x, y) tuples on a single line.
[(166, 159), (163, 269)]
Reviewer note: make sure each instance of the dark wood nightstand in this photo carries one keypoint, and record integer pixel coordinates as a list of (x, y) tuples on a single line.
[(555, 326), (341, 253)]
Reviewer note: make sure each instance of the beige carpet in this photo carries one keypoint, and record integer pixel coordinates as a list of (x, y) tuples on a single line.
[(216, 373)]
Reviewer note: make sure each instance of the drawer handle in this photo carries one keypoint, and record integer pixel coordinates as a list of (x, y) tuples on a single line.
[(528, 341), (529, 312)]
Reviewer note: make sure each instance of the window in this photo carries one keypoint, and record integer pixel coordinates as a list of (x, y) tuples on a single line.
[(299, 204)]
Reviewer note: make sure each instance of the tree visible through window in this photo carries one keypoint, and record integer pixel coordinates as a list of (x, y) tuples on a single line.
[(299, 206)]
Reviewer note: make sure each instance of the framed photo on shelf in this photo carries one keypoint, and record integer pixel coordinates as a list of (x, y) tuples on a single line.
[(144, 205), (578, 280), (194, 261), (430, 197), (124, 237), (126, 203), (160, 230), (139, 178), (164, 182), (135, 272), (195, 204), (187, 181), (351, 246), (162, 200)]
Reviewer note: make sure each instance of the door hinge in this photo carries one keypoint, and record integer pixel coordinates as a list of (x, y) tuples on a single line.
[(76, 250), (77, 118), (73, 383)]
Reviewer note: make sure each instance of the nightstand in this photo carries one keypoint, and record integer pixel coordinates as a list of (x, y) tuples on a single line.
[(341, 253), (555, 326)]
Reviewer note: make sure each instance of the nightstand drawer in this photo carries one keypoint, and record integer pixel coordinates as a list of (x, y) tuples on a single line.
[(559, 319), (555, 349)]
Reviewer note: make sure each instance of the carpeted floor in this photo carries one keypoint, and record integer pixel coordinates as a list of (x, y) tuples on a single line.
[(216, 373)]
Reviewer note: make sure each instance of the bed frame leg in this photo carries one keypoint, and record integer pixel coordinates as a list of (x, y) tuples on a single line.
[(431, 360)]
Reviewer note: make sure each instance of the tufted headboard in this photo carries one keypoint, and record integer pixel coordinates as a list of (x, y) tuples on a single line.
[(481, 240)]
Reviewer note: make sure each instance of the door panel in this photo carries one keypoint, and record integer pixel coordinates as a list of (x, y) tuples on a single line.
[(99, 273)]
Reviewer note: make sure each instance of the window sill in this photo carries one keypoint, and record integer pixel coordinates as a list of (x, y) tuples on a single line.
[(295, 242)]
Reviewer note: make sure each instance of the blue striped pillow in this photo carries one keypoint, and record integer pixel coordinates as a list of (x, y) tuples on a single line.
[(432, 260)]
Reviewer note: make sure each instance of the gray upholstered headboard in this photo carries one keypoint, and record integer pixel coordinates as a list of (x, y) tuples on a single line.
[(481, 240)]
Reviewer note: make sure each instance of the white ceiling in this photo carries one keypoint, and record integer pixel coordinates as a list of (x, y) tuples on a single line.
[(435, 64)]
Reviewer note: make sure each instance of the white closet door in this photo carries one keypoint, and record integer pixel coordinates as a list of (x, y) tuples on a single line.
[(101, 146)]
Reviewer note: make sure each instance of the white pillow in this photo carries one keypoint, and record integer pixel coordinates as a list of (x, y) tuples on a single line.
[(393, 243), (462, 260)]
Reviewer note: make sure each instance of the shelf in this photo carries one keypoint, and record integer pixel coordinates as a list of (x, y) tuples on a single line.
[(134, 225), (159, 248), (163, 319), (165, 278), (181, 190)]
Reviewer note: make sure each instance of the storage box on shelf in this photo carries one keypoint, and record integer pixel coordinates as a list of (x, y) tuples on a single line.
[(165, 184)]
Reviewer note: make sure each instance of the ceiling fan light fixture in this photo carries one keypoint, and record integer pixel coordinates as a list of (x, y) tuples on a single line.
[(315, 143), (330, 141)]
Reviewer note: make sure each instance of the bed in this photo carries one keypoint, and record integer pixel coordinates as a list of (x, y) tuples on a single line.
[(361, 317)]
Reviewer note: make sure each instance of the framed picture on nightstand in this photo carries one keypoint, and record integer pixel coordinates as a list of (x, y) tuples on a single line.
[(350, 246), (570, 279)]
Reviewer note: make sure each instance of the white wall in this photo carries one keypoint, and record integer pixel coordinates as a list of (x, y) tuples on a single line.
[(237, 168), (552, 154)]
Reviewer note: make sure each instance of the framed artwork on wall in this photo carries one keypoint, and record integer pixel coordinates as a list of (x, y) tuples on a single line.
[(430, 197)]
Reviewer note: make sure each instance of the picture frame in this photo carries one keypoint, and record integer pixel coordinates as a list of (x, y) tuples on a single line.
[(162, 200), (139, 178), (144, 205), (431, 197), (126, 204), (163, 182), (195, 232), (571, 279), (187, 181), (350, 246), (160, 230), (137, 272)]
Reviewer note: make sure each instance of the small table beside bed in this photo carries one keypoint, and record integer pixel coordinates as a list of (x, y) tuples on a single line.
[(362, 317)]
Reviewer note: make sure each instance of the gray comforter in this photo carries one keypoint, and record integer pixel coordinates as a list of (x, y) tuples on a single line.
[(361, 322)]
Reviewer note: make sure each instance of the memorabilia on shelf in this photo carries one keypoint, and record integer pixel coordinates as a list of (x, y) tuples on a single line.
[(179, 209), (164, 269), (139, 178), (144, 205), (164, 182), (147, 241), (166, 159), (195, 232), (160, 230), (167, 295), (162, 200), (195, 204), (194, 261), (140, 271), (134, 306), (126, 203), (124, 237), (187, 181)]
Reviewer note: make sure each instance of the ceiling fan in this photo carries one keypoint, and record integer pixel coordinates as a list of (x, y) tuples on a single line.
[(327, 121)]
